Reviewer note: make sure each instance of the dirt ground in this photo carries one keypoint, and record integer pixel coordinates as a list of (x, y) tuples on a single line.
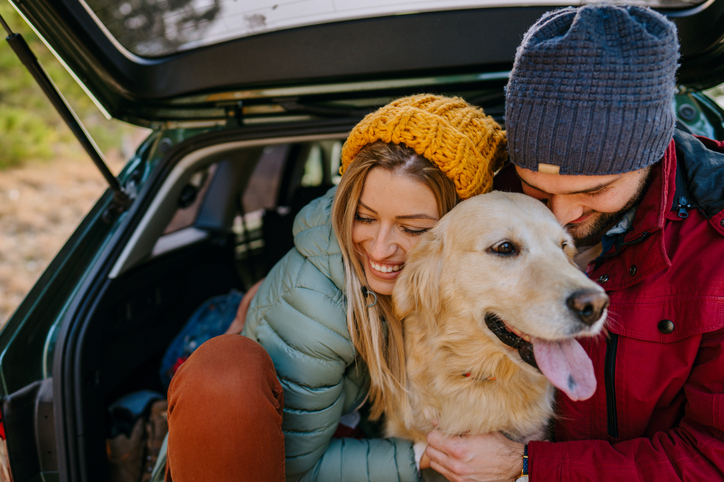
[(41, 204)]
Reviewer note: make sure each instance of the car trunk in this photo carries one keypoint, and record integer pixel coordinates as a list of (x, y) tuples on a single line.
[(246, 132), (225, 237)]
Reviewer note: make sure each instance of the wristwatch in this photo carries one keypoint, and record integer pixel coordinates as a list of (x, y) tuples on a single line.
[(523, 477)]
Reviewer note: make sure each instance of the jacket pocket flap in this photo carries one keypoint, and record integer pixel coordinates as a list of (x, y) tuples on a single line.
[(666, 321)]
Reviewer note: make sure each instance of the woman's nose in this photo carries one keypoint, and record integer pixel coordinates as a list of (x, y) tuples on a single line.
[(564, 209), (383, 244)]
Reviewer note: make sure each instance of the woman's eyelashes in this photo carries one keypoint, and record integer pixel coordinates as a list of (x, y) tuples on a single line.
[(410, 231), (415, 231), (363, 219)]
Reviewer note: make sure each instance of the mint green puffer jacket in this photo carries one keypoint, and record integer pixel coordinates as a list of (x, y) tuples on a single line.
[(298, 316)]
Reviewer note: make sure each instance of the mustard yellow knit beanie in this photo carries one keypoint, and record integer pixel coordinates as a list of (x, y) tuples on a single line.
[(464, 142)]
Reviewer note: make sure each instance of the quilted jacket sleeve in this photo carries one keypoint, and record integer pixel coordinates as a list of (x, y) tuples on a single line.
[(298, 316)]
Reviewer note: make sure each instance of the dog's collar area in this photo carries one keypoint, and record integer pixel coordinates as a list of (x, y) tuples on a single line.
[(479, 379), (525, 349)]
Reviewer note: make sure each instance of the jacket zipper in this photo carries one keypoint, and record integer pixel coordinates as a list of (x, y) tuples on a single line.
[(682, 200), (683, 207), (610, 379)]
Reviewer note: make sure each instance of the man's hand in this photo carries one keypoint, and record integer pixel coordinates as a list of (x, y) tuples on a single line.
[(425, 461), (486, 457)]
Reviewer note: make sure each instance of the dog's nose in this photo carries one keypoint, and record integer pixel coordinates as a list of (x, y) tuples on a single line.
[(588, 305)]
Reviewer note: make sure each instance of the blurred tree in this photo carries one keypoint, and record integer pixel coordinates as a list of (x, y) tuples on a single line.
[(156, 27), (717, 93), (30, 128)]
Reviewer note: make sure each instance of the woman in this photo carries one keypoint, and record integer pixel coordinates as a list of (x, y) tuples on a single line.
[(320, 336)]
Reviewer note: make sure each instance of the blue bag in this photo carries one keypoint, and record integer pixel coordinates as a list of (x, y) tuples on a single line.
[(210, 319)]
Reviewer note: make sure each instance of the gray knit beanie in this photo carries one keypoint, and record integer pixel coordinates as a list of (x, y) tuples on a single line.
[(591, 91)]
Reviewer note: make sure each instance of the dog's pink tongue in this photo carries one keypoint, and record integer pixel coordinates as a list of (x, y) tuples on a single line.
[(567, 366)]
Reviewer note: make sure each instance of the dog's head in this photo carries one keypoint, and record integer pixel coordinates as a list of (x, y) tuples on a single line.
[(503, 260)]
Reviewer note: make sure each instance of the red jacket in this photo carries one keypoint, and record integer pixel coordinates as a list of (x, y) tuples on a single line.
[(658, 411)]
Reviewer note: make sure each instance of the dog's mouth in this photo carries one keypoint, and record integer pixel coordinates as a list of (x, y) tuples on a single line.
[(516, 340), (563, 362)]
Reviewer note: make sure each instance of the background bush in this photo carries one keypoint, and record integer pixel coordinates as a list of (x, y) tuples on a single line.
[(717, 93), (30, 127)]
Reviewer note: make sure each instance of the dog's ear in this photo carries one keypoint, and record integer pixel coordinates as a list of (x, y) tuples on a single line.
[(418, 287)]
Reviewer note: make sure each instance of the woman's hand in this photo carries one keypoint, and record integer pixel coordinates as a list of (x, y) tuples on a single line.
[(238, 324), (486, 457)]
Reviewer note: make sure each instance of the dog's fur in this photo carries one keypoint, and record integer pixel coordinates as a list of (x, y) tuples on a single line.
[(452, 279)]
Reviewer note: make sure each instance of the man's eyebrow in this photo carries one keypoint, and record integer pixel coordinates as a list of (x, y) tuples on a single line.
[(407, 216), (583, 191)]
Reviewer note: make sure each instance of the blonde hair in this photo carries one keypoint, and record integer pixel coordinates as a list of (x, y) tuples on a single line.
[(375, 331)]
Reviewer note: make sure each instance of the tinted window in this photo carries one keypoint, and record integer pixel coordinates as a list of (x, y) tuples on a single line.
[(161, 27)]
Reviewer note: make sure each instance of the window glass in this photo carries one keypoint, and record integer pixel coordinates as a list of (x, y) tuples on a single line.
[(190, 200), (263, 188), (313, 168), (152, 28)]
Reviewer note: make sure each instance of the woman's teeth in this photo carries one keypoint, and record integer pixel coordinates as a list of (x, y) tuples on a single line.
[(386, 269)]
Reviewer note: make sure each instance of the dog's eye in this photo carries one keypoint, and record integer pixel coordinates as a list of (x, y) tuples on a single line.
[(506, 248), (568, 247)]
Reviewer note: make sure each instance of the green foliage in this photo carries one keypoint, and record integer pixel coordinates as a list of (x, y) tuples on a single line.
[(717, 93), (30, 127), (24, 135)]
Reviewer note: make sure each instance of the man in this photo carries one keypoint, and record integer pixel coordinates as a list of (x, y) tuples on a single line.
[(591, 134)]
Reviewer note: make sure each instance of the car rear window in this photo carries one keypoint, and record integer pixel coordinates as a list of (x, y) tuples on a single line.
[(153, 28)]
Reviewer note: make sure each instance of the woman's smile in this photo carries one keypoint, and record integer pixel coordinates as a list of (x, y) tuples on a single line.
[(385, 268)]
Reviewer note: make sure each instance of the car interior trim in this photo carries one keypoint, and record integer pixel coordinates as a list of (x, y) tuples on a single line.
[(150, 228)]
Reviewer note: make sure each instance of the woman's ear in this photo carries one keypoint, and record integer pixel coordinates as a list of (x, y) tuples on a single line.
[(418, 287)]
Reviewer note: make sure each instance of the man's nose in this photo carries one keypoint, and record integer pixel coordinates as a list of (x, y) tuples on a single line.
[(564, 209)]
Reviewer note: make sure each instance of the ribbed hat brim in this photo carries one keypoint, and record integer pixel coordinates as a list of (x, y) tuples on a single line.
[(588, 138)]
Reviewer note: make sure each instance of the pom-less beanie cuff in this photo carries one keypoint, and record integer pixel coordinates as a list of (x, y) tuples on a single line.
[(591, 91), (460, 139), (588, 139)]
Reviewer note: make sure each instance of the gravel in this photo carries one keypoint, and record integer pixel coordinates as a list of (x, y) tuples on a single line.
[(41, 204)]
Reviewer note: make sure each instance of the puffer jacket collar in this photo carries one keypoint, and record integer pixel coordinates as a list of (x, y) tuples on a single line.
[(315, 239)]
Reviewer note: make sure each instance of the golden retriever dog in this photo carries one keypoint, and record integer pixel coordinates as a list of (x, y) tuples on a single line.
[(491, 304)]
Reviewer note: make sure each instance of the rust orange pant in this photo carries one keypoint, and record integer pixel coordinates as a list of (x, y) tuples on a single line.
[(225, 414)]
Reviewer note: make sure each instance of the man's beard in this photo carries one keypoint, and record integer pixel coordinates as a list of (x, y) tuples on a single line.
[(600, 223)]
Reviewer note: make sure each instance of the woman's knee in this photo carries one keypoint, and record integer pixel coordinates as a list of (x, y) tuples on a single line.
[(229, 372), (225, 414)]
